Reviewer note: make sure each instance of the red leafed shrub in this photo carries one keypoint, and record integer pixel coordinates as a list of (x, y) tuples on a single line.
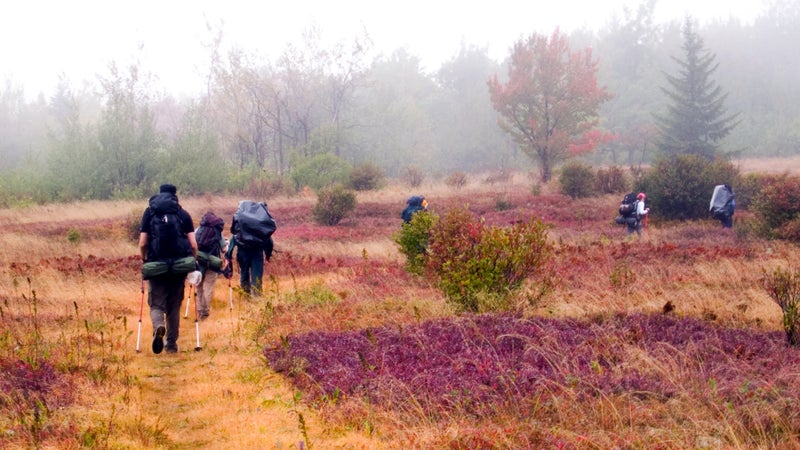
[(474, 364), (778, 203), (31, 391), (479, 267)]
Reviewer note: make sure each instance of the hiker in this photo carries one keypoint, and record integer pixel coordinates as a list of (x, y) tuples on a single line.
[(723, 205), (166, 234), (639, 215), (413, 204), (211, 245), (251, 230)]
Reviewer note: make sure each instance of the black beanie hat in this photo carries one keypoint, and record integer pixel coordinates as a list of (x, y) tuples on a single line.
[(168, 188)]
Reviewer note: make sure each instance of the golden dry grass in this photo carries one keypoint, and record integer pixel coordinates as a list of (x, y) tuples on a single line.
[(224, 396), (790, 165)]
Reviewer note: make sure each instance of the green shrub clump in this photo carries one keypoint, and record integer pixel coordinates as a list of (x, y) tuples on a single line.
[(577, 180), (413, 240), (612, 180), (680, 187), (482, 268), (333, 205), (778, 206), (414, 176), (456, 180), (74, 236), (319, 171), (784, 288), (367, 177)]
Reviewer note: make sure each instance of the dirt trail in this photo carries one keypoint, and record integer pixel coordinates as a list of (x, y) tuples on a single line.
[(224, 396)]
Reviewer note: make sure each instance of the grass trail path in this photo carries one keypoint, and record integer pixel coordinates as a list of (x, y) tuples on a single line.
[(224, 396)]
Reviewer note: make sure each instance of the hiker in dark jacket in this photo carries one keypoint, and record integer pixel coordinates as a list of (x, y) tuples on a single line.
[(413, 204), (165, 292), (251, 261), (639, 216), (723, 205)]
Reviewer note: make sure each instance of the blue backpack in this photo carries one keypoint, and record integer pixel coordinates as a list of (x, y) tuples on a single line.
[(413, 204)]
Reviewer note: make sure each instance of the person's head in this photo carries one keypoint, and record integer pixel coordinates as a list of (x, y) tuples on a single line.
[(641, 196), (168, 188)]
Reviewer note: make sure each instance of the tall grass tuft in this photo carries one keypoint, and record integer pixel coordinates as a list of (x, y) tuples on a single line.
[(783, 287)]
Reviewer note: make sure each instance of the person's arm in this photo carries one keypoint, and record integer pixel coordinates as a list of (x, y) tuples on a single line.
[(143, 230), (192, 243), (143, 245), (641, 210), (231, 245), (268, 248), (188, 227)]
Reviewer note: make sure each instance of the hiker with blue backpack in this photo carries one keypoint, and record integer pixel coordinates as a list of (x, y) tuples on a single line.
[(168, 249), (414, 204), (252, 228)]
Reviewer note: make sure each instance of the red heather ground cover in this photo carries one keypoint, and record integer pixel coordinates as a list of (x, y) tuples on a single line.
[(489, 365), (476, 366)]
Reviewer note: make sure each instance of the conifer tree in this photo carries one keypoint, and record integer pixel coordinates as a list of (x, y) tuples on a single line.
[(696, 120)]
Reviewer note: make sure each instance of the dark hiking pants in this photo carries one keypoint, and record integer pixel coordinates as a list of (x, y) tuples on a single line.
[(165, 296)]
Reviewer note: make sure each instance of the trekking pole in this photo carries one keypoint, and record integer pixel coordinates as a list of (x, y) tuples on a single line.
[(141, 308), (230, 288), (188, 301), (196, 323)]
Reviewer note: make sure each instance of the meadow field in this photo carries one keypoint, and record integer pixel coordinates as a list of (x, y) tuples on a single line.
[(666, 341)]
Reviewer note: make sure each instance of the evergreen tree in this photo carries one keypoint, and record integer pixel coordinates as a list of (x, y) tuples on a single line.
[(696, 120)]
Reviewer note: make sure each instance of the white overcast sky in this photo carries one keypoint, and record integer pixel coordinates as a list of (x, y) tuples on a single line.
[(41, 39)]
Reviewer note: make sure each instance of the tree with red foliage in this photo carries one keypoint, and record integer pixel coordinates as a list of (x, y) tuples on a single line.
[(550, 102)]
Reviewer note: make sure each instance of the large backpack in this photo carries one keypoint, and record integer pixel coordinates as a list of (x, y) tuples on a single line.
[(413, 204), (209, 234), (627, 208), (721, 201), (254, 225), (166, 240)]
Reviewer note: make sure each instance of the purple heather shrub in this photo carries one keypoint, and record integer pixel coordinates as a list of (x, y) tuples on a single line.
[(473, 363), (33, 384)]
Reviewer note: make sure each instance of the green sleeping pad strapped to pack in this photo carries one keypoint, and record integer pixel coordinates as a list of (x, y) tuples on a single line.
[(210, 261), (180, 266)]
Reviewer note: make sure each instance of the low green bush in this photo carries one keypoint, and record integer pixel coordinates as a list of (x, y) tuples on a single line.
[(612, 180), (778, 200), (319, 171), (413, 240), (333, 205), (783, 287), (367, 177), (414, 176), (577, 180), (482, 268), (456, 180), (680, 187)]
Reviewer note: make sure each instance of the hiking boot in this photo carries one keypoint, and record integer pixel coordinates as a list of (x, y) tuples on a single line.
[(158, 339), (172, 349)]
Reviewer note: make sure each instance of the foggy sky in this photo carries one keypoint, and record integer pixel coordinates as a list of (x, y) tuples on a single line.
[(40, 40)]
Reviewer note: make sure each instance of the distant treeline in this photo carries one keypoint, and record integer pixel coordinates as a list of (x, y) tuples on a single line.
[(321, 110)]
